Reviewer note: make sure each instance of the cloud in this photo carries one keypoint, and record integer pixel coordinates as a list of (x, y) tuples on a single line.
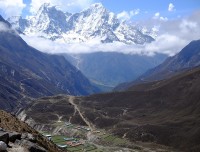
[(174, 35), (165, 44), (4, 27), (93, 46), (9, 7), (64, 5), (188, 26), (157, 16), (125, 16), (171, 7)]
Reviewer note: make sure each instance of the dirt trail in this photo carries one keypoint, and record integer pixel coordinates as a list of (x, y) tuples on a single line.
[(23, 89), (76, 108)]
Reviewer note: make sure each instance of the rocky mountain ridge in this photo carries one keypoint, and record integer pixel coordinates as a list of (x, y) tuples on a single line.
[(93, 23)]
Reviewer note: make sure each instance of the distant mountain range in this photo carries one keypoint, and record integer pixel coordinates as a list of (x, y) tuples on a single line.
[(108, 69), (95, 22), (28, 73), (187, 58)]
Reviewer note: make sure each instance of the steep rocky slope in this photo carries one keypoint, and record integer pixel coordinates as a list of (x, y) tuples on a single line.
[(21, 137)]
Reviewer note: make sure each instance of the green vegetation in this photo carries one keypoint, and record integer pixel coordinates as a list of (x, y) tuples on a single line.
[(79, 148), (59, 139), (113, 140), (89, 147)]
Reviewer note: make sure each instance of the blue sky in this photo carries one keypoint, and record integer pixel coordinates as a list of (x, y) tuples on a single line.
[(146, 8), (153, 5), (182, 7)]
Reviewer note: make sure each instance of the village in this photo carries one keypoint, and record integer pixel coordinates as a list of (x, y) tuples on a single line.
[(91, 141)]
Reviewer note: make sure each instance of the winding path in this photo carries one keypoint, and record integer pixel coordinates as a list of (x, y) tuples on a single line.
[(76, 108)]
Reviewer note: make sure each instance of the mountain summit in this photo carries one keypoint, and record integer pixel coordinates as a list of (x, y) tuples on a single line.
[(95, 22)]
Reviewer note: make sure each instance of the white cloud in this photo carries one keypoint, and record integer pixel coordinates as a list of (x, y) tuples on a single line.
[(171, 7), (188, 26), (134, 12), (64, 5), (93, 46), (166, 44), (161, 18), (9, 7), (3, 27), (157, 15), (125, 16), (174, 35)]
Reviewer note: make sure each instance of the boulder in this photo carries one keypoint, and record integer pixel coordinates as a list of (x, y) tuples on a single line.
[(32, 147), (3, 146), (13, 136), (29, 137), (4, 136)]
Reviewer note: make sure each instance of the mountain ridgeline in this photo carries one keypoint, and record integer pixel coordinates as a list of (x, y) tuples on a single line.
[(187, 58), (95, 22), (104, 69), (26, 72), (108, 69)]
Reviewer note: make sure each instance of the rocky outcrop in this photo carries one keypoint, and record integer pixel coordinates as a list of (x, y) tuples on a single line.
[(10, 140), (19, 136)]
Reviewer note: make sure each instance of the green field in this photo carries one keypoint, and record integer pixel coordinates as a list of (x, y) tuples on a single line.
[(88, 147), (114, 139), (76, 149), (59, 140)]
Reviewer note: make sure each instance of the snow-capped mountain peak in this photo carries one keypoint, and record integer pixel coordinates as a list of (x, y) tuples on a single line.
[(95, 22)]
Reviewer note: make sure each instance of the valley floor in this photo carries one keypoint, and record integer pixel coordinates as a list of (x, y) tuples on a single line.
[(76, 138)]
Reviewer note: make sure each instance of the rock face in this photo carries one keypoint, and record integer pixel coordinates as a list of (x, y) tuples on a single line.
[(95, 22), (16, 135), (14, 142), (27, 73)]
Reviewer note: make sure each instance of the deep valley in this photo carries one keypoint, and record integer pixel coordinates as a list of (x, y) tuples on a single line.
[(93, 80)]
